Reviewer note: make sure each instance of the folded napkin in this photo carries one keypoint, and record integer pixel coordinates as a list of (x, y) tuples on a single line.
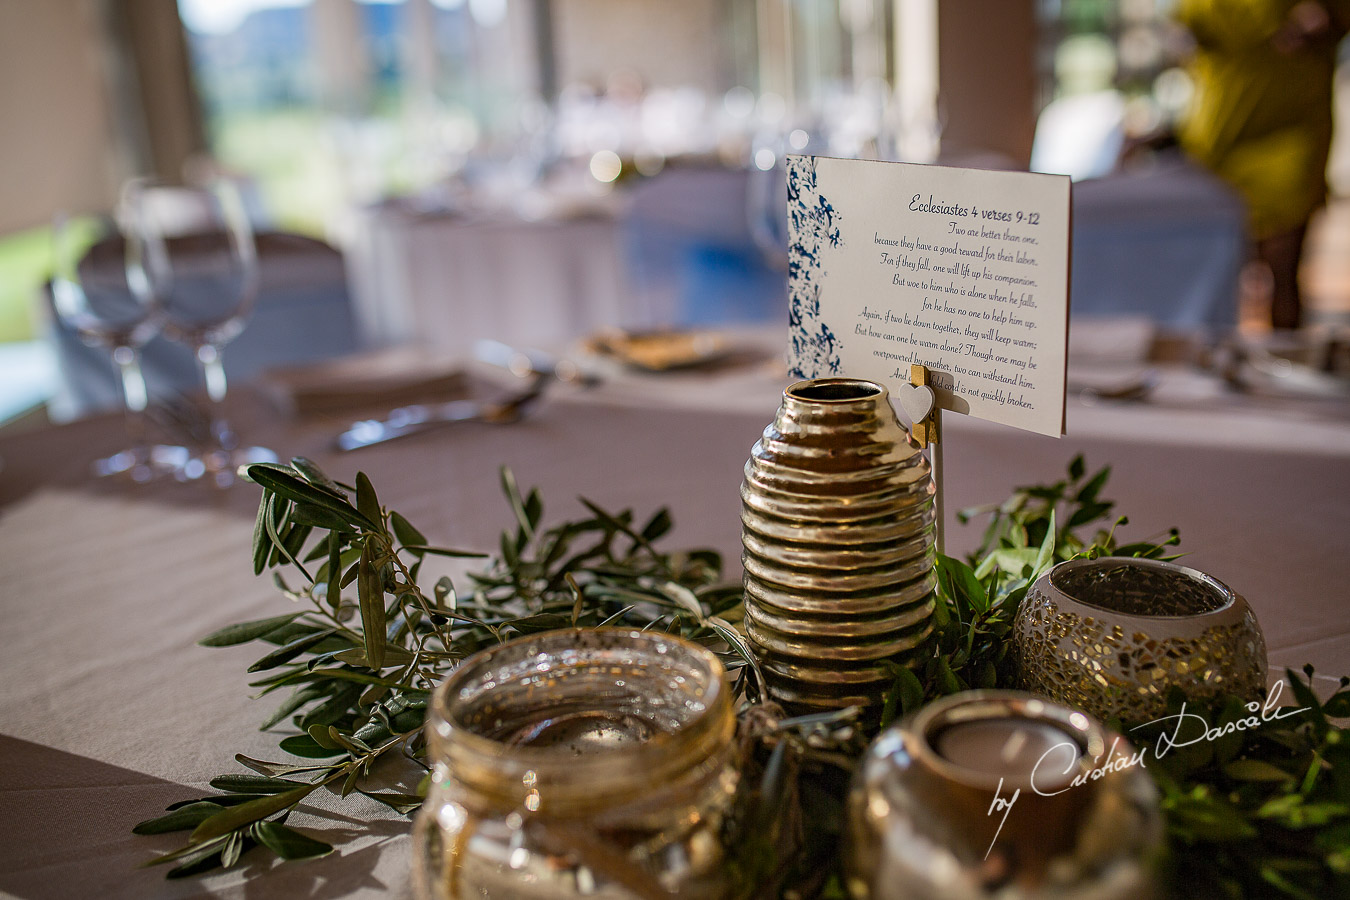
[(386, 378)]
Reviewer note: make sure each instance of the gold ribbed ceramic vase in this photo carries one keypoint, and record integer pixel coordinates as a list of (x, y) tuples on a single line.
[(837, 525)]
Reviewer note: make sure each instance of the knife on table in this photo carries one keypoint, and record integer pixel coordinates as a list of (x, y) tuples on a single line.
[(523, 363), (417, 418)]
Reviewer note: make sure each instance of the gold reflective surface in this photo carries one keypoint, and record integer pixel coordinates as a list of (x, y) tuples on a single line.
[(1112, 636), (837, 528)]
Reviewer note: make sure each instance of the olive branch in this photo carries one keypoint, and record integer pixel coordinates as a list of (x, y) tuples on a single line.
[(1256, 812)]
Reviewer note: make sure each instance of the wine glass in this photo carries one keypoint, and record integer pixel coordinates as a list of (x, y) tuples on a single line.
[(101, 292), (202, 265)]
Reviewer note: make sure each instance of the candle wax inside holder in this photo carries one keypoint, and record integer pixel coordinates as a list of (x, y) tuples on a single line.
[(1012, 749)]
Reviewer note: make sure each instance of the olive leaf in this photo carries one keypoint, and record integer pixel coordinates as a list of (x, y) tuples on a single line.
[(287, 842), (228, 820), (244, 632), (181, 819)]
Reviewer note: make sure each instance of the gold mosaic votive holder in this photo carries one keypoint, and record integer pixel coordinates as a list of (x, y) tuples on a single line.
[(1000, 794), (1112, 636)]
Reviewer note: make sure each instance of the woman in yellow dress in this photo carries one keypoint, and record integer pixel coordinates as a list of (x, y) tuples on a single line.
[(1261, 118)]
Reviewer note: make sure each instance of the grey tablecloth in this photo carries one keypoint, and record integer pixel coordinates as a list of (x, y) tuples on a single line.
[(109, 711)]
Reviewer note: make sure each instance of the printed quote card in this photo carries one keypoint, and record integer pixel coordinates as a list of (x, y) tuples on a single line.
[(965, 271)]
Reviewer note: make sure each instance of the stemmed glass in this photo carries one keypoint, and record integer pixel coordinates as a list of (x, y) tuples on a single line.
[(202, 266), (100, 290)]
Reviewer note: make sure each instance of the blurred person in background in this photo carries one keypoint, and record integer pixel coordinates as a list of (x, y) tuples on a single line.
[(1261, 118)]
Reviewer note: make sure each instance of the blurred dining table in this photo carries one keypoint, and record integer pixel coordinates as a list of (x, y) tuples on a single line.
[(444, 276), (444, 268), (1189, 225), (110, 711)]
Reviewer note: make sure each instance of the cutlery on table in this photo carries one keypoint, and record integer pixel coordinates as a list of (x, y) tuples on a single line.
[(417, 418), (523, 363)]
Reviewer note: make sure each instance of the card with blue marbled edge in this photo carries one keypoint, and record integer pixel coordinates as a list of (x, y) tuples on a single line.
[(965, 271)]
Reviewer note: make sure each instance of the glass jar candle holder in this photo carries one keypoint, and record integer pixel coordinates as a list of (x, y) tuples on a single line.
[(1001, 794), (1112, 636), (579, 763)]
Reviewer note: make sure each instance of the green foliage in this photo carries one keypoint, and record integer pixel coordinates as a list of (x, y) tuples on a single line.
[(358, 662), (977, 599), (1254, 813), (1261, 810)]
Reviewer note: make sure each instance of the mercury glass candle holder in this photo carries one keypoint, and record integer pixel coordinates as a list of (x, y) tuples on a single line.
[(1001, 794), (1112, 636), (579, 763)]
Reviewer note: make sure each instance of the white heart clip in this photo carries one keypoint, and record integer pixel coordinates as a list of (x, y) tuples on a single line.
[(916, 400)]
